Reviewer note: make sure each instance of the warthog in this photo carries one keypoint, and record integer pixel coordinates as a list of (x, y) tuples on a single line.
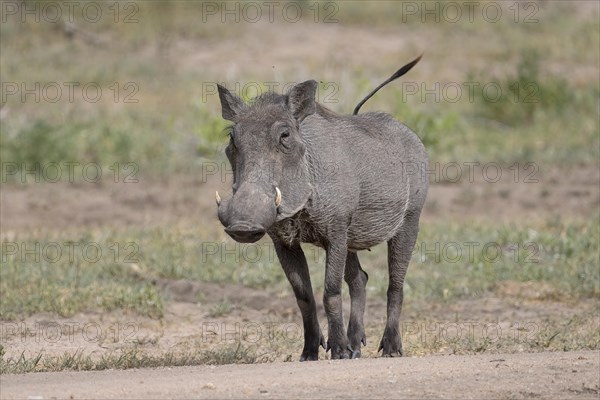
[(304, 174)]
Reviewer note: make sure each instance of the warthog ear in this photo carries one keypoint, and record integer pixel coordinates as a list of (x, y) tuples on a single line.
[(231, 104), (301, 99)]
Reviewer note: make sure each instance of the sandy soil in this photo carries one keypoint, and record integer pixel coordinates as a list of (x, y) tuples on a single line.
[(515, 376)]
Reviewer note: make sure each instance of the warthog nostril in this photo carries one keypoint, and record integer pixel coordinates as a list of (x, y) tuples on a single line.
[(245, 233)]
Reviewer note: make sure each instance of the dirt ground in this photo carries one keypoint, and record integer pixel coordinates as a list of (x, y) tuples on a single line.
[(572, 375)]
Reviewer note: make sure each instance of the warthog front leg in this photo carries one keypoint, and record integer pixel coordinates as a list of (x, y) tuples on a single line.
[(356, 279), (400, 249), (294, 265), (337, 339)]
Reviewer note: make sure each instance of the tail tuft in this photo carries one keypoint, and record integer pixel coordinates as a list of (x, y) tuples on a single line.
[(396, 75)]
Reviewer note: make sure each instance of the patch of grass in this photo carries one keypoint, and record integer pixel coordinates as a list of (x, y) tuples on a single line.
[(19, 365), (64, 277), (127, 139), (221, 308), (209, 256), (579, 332), (450, 262), (525, 97), (461, 261), (231, 354), (130, 358), (524, 115)]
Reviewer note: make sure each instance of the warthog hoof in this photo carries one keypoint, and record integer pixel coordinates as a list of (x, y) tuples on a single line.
[(309, 356), (391, 346), (342, 351), (312, 354)]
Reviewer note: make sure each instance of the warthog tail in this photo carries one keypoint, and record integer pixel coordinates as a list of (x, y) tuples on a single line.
[(396, 75)]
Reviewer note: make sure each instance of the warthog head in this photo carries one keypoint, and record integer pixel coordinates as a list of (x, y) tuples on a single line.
[(267, 155)]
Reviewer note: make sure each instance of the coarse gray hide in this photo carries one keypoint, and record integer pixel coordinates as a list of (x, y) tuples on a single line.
[(304, 174)]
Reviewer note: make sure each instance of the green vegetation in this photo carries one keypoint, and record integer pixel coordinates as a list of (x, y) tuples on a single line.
[(155, 108), (450, 262), (521, 117), (65, 276)]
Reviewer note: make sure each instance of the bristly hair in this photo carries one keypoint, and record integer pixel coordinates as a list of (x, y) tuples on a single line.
[(269, 98), (227, 130)]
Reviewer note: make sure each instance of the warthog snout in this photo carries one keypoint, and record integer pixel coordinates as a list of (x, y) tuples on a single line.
[(249, 213), (244, 233)]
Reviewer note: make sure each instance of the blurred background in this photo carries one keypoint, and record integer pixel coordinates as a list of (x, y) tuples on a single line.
[(112, 147)]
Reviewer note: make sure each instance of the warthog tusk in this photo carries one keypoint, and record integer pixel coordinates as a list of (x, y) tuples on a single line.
[(277, 197), (218, 198)]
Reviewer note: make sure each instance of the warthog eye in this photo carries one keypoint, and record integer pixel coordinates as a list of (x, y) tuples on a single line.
[(284, 135)]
